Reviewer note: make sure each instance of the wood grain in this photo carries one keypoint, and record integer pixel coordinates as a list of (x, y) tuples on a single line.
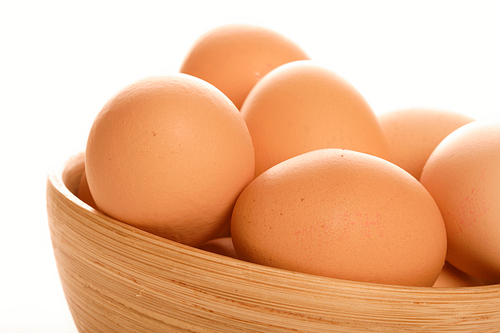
[(117, 278)]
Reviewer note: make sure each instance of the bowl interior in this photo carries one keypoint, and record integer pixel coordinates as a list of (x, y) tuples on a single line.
[(117, 278)]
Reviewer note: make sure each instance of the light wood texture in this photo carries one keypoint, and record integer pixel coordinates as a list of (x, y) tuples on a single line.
[(117, 278)]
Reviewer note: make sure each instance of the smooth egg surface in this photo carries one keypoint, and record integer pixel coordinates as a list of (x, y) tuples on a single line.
[(302, 106), (170, 155), (414, 133), (235, 57), (463, 176), (451, 277), (222, 245), (83, 192), (342, 214)]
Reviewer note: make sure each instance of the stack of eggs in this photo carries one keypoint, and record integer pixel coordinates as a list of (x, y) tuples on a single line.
[(256, 152)]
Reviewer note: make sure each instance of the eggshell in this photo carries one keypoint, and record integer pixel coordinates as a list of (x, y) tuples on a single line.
[(221, 245), (414, 133), (342, 214), (83, 192), (170, 155), (452, 277), (303, 106), (463, 176), (234, 57)]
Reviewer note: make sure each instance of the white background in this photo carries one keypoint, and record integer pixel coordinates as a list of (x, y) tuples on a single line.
[(60, 61)]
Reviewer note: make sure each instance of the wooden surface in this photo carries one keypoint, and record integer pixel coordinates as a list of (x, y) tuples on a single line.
[(120, 279)]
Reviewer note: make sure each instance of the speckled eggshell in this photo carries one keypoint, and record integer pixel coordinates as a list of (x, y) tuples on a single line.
[(342, 214), (303, 106), (414, 133), (170, 155), (463, 176), (234, 57)]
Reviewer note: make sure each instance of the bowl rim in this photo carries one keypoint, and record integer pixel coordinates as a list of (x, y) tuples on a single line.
[(56, 178)]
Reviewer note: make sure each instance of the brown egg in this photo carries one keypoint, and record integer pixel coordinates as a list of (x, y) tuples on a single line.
[(302, 106), (463, 176), (221, 245), (452, 277), (342, 214), (414, 133), (83, 192), (234, 57), (170, 155)]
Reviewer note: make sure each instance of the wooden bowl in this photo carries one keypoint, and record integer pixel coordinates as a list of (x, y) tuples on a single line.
[(117, 278)]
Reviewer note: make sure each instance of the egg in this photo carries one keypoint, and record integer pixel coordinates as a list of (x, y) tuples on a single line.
[(303, 106), (452, 277), (234, 57), (463, 176), (221, 245), (83, 191), (413, 134), (342, 214), (169, 155)]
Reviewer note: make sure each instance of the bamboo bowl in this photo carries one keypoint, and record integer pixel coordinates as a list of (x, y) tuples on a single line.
[(117, 278)]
